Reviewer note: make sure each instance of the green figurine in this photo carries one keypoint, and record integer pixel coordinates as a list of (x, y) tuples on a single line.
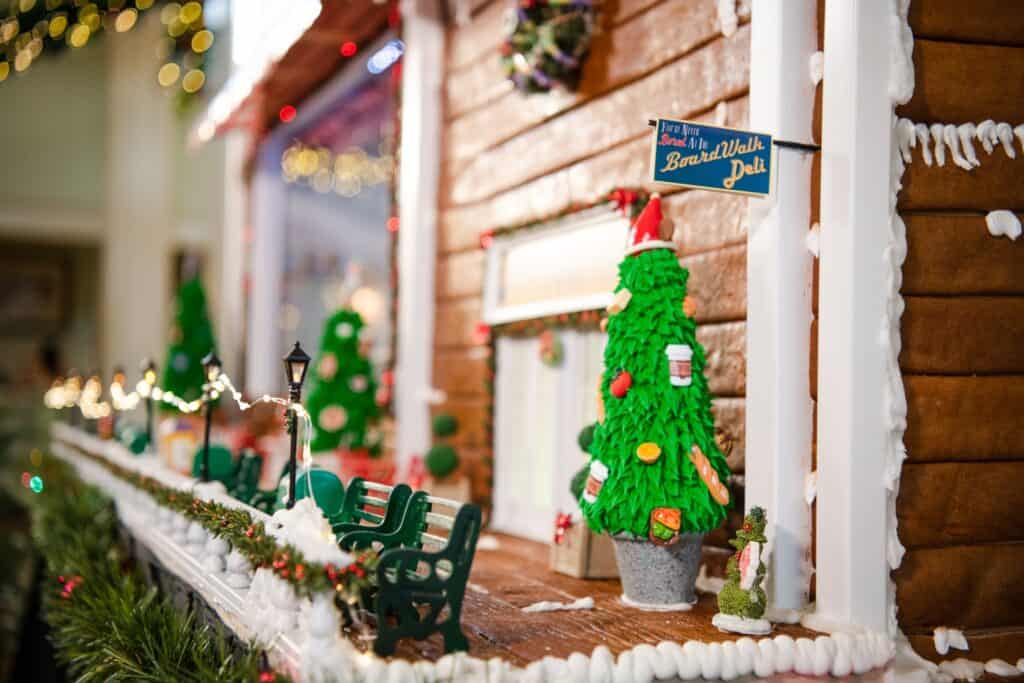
[(742, 600), (247, 475)]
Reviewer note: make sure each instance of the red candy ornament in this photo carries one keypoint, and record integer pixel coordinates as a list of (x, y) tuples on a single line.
[(621, 384)]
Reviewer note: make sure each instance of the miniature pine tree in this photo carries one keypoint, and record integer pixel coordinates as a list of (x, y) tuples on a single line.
[(656, 470), (191, 340), (341, 403), (742, 594)]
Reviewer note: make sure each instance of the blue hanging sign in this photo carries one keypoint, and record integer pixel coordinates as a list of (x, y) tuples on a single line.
[(712, 157)]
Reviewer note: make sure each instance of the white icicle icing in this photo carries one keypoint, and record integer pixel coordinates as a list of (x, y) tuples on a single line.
[(816, 67), (1005, 134), (966, 131), (1003, 222), (550, 606), (728, 22), (940, 144), (951, 136), (924, 137), (986, 132), (906, 138), (1019, 132)]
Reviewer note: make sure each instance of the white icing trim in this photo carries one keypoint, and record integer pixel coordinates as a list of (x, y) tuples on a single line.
[(550, 606), (958, 139), (658, 607), (730, 623), (812, 239)]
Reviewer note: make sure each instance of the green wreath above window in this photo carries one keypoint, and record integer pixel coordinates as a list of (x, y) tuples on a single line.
[(547, 42)]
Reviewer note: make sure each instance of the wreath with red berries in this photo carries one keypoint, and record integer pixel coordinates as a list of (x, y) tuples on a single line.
[(547, 43)]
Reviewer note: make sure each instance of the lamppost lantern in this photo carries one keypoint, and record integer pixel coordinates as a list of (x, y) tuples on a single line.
[(295, 365), (119, 377), (149, 372), (148, 369), (212, 365)]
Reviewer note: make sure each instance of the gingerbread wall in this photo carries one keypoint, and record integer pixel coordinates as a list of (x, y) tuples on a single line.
[(961, 492), (510, 158)]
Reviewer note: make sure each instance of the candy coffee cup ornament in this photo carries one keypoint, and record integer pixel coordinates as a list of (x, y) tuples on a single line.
[(679, 364), (598, 473)]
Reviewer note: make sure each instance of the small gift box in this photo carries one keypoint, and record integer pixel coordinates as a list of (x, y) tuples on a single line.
[(579, 552)]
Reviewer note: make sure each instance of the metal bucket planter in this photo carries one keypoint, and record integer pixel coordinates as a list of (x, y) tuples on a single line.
[(658, 577)]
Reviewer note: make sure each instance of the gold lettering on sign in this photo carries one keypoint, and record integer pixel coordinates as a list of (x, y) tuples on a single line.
[(740, 170)]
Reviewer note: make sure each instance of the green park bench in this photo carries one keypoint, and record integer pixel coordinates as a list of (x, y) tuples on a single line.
[(371, 515), (421, 584)]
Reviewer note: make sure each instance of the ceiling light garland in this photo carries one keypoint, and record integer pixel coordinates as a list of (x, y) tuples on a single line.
[(28, 28)]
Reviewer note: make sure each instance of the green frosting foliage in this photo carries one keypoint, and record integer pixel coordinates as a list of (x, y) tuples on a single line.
[(441, 461), (732, 599), (579, 482), (586, 437), (653, 410), (444, 425), (341, 403), (191, 339)]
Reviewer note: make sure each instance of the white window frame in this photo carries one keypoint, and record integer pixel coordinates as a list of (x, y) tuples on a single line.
[(496, 313)]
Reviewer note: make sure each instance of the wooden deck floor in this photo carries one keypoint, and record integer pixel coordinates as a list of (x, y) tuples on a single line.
[(516, 574)]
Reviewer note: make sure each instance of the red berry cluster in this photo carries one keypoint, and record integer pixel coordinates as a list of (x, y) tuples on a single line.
[(68, 586)]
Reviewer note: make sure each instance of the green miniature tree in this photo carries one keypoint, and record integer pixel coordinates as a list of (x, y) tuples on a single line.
[(341, 403), (442, 458), (742, 594), (654, 453), (191, 339)]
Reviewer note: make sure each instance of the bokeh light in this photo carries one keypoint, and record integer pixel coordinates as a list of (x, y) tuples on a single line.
[(143, 4), (287, 113), (36, 484), (36, 457), (202, 41), (168, 74), (170, 12), (57, 26), (79, 34), (5, 71), (348, 48), (126, 20), (191, 12), (193, 81)]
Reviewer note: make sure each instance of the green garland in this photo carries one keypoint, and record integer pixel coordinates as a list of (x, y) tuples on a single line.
[(106, 623), (250, 539), (547, 42)]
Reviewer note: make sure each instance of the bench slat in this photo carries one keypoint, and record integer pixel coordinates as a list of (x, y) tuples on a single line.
[(374, 486), (431, 538), (445, 502), (443, 521)]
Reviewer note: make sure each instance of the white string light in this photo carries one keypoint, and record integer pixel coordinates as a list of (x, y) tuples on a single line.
[(67, 394)]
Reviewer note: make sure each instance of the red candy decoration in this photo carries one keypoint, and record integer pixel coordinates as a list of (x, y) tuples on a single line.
[(621, 384)]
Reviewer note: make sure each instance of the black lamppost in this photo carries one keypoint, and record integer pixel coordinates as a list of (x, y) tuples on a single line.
[(149, 377), (295, 365), (211, 364)]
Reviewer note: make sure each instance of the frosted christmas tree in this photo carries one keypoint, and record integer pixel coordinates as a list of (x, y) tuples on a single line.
[(657, 478), (191, 340), (341, 403)]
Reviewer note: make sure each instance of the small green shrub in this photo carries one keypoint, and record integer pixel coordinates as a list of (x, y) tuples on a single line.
[(441, 461)]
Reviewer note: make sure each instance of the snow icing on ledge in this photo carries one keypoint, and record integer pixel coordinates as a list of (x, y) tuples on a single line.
[(549, 606), (306, 528), (1003, 222)]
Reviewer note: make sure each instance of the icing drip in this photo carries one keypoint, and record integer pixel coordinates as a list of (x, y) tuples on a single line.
[(816, 67), (727, 19)]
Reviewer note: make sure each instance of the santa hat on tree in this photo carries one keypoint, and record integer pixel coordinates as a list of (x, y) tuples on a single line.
[(644, 233)]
